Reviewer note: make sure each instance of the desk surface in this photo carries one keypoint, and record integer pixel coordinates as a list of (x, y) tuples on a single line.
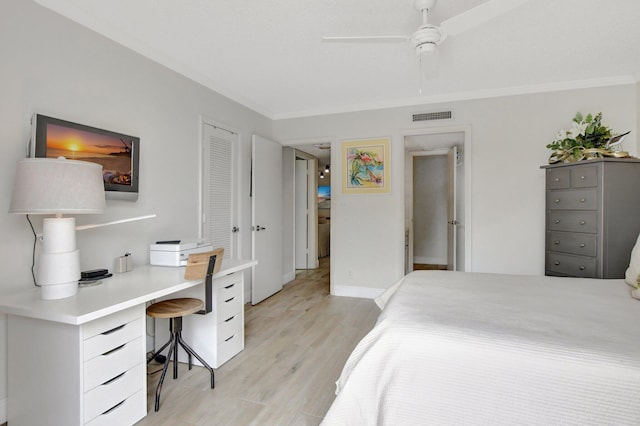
[(114, 294)]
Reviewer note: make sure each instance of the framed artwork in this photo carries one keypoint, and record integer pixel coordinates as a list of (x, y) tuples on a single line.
[(365, 166)]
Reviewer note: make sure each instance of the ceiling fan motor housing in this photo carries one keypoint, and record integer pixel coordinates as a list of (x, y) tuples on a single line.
[(427, 38)]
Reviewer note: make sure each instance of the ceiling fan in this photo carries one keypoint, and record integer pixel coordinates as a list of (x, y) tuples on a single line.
[(428, 36)]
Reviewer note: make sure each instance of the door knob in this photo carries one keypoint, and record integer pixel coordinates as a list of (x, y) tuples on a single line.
[(260, 228)]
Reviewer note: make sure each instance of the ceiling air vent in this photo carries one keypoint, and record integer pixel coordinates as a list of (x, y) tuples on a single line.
[(428, 116)]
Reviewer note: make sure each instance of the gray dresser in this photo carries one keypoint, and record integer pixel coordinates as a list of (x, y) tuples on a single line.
[(592, 217)]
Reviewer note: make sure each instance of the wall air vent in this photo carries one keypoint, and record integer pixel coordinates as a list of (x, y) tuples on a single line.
[(428, 116)]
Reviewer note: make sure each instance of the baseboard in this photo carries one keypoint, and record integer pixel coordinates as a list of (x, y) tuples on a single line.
[(289, 277), (430, 260), (353, 291), (3, 411)]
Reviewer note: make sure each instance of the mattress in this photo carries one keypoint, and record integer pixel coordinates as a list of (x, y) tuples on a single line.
[(460, 348)]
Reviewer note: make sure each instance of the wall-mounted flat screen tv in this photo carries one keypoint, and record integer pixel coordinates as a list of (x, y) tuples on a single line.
[(324, 192), (118, 154)]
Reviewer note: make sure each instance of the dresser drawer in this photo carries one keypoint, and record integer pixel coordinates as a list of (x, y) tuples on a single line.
[(126, 412), (107, 395), (112, 338), (572, 221), (230, 338), (110, 364), (581, 199), (577, 266), (558, 178), (584, 177), (572, 243), (228, 304), (112, 321)]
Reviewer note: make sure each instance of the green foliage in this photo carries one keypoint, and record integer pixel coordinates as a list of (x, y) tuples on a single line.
[(585, 133)]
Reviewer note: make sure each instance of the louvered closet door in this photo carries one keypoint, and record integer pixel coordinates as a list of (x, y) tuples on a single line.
[(219, 216)]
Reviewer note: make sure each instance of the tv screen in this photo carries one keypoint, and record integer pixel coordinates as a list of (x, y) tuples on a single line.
[(118, 154), (324, 192)]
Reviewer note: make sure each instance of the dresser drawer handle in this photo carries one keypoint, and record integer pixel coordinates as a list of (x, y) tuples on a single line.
[(557, 221), (114, 379), (107, 353), (557, 179), (556, 263), (229, 286), (114, 407), (583, 245), (582, 178), (229, 319), (582, 222), (582, 200), (229, 300), (113, 330), (582, 268), (556, 242), (229, 338), (557, 200)]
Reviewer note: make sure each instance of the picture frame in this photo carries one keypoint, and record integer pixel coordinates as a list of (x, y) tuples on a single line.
[(366, 166)]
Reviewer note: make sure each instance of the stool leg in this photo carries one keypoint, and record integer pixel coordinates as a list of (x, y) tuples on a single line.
[(172, 348), (153, 355), (202, 361)]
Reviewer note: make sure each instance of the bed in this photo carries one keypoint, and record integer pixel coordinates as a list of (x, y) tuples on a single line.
[(460, 348)]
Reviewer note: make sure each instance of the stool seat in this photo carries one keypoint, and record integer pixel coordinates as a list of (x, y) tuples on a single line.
[(174, 308)]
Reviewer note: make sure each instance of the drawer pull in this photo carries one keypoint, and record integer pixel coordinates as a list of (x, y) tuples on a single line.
[(113, 330), (229, 338), (582, 222), (229, 300), (114, 407), (557, 200), (557, 221), (557, 179), (556, 263), (556, 242), (582, 268), (113, 350), (229, 286), (582, 200), (583, 245), (582, 178), (119, 376), (229, 319)]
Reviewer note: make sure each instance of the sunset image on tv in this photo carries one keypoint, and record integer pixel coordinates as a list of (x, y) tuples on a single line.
[(113, 153)]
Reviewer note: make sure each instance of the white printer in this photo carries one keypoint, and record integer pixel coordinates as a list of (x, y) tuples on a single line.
[(176, 253)]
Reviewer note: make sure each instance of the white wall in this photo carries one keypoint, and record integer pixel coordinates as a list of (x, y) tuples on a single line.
[(508, 137), (53, 66)]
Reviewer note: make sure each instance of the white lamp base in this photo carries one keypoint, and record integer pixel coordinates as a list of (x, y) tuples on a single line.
[(59, 266), (58, 291)]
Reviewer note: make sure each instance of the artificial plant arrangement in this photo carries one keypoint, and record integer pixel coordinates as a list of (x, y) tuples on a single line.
[(587, 138)]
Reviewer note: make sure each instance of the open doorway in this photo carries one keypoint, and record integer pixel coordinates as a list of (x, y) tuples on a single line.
[(435, 210)]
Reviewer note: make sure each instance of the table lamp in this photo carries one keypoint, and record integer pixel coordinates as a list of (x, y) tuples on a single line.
[(58, 186)]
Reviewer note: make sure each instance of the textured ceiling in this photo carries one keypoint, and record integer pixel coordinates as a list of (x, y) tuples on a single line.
[(268, 55)]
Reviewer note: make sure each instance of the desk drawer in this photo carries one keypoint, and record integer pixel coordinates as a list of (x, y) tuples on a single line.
[(112, 321), (576, 266), (107, 395), (112, 338), (110, 364), (230, 338), (572, 243), (584, 177), (126, 412), (582, 199), (228, 304), (558, 178), (572, 221)]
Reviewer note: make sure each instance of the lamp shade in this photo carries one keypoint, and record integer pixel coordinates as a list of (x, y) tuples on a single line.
[(57, 186)]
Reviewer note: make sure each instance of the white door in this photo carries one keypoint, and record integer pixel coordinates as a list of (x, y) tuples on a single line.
[(218, 220), (301, 214), (266, 218), (452, 225)]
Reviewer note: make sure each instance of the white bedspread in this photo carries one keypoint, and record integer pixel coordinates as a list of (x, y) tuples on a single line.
[(455, 348)]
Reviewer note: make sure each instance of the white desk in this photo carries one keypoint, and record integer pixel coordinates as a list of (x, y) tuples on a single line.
[(81, 360)]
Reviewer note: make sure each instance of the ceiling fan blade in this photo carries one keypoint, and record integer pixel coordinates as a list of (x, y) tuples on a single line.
[(478, 15), (366, 39)]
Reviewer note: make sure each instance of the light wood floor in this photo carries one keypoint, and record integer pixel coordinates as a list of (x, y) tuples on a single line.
[(296, 344)]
